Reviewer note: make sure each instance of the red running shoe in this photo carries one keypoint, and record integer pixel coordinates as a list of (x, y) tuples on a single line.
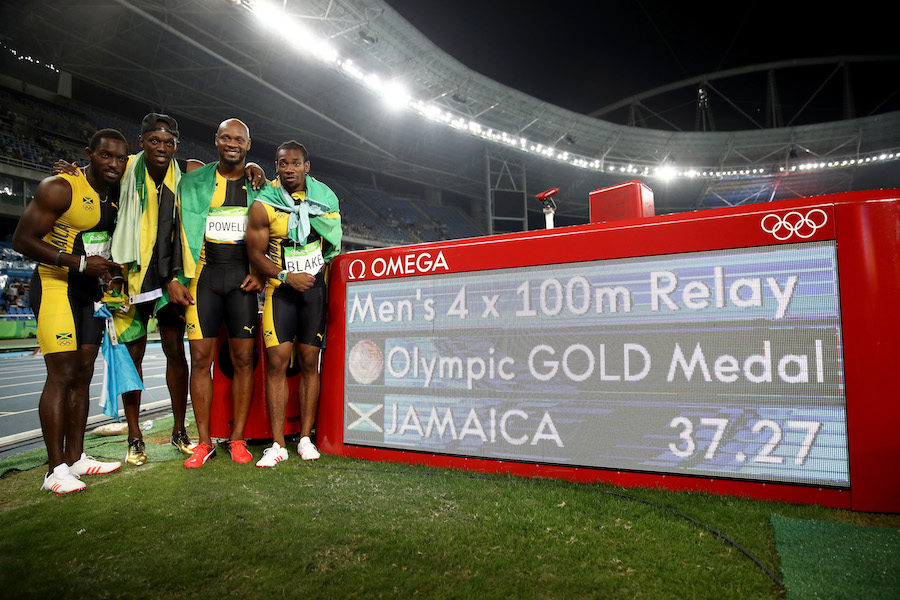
[(201, 454), (239, 452)]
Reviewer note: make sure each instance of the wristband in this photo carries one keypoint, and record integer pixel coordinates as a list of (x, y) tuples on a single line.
[(56, 260), (282, 276), (83, 264), (116, 278)]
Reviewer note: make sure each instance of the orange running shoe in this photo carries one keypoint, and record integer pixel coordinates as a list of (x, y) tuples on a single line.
[(201, 454), (239, 452)]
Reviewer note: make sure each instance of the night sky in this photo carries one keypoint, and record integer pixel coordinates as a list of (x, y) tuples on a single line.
[(585, 55)]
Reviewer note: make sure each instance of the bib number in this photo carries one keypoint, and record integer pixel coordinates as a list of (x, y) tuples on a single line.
[(306, 259), (97, 243), (227, 224)]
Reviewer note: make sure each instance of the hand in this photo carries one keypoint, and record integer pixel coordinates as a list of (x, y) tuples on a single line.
[(300, 281), (62, 166), (115, 285), (257, 176), (179, 294), (253, 283), (97, 266)]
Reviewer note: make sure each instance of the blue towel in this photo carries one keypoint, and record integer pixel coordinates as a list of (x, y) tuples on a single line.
[(119, 373)]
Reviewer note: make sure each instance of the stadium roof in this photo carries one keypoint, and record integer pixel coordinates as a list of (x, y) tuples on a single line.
[(325, 72)]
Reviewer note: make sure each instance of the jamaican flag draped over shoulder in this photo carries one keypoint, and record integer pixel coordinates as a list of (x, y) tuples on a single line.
[(137, 230), (195, 192), (319, 210)]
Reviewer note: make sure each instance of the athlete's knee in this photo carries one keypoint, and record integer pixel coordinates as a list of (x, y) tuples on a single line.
[(242, 354), (68, 370), (202, 355), (172, 345), (136, 349), (278, 363), (308, 358)]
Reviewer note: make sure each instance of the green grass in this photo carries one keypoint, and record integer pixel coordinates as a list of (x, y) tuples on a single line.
[(343, 528)]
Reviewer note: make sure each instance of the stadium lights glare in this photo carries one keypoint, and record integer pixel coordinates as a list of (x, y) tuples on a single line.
[(666, 172), (398, 97)]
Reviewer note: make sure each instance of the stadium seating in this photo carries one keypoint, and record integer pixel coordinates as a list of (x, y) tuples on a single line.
[(35, 133)]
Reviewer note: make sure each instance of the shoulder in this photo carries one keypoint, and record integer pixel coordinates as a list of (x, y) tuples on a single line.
[(55, 192), (58, 184), (260, 209)]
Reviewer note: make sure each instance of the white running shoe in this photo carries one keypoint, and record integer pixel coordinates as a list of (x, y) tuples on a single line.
[(272, 456), (88, 465), (62, 481), (307, 449)]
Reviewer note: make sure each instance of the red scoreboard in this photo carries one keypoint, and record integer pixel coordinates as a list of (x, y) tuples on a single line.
[(745, 351)]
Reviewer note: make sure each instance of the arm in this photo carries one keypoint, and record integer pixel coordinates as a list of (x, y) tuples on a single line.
[(62, 166), (52, 198), (193, 164), (257, 242), (256, 175), (252, 171), (176, 289)]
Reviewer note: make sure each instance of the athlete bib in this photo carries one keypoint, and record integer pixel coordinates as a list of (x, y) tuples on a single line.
[(305, 259), (97, 243), (227, 224)]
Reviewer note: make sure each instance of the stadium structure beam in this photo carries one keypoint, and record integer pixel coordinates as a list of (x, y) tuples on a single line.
[(250, 75)]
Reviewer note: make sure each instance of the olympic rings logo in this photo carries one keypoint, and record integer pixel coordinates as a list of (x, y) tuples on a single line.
[(782, 227)]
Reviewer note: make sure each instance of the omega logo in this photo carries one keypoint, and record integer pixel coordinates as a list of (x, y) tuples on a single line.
[(405, 264), (782, 227)]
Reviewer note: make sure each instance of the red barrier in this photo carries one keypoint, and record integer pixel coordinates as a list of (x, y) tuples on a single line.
[(221, 412)]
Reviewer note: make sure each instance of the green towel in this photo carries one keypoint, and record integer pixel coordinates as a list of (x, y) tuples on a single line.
[(320, 211)]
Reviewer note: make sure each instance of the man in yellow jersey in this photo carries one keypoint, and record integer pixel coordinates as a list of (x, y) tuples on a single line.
[(145, 244), (293, 233), (66, 229), (213, 203)]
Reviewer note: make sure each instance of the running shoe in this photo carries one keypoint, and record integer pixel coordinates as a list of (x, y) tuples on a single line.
[(62, 481), (88, 465), (239, 452), (137, 453), (201, 454), (181, 441), (272, 456), (307, 449)]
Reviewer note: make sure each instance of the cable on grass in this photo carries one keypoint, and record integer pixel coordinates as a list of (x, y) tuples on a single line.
[(677, 513)]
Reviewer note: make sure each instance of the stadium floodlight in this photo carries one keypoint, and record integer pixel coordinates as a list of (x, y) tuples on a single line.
[(303, 40), (395, 94), (268, 14), (666, 172)]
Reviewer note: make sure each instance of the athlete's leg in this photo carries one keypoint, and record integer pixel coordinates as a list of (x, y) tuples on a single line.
[(172, 338), (241, 351), (69, 337), (132, 400), (310, 336), (242, 318), (204, 319), (277, 390), (202, 353), (53, 408), (310, 384), (78, 401)]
